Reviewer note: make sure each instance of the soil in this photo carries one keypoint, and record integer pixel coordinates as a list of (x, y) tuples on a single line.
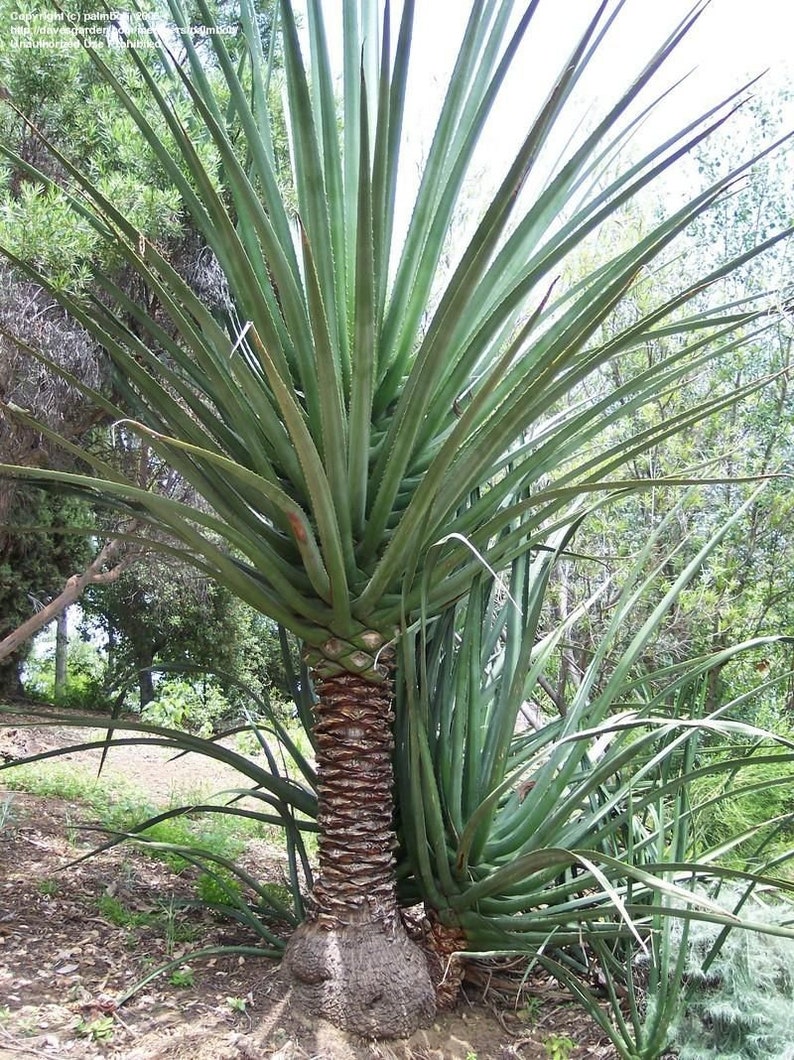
[(65, 959)]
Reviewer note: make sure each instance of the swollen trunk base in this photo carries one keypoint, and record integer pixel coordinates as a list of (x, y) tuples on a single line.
[(352, 961), (368, 979)]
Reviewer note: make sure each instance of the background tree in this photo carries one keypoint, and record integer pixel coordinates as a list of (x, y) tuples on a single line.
[(35, 558), (157, 616), (69, 105), (744, 589)]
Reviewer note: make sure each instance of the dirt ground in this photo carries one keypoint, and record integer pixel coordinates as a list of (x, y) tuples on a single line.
[(65, 958)]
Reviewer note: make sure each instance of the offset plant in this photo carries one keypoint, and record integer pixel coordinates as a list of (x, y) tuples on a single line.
[(528, 838), (366, 431), (577, 842)]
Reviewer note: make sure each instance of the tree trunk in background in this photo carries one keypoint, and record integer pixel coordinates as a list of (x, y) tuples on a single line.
[(61, 651), (351, 961), (10, 682), (95, 574), (145, 681)]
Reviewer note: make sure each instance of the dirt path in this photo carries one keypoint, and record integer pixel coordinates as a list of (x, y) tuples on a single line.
[(72, 940), (150, 769)]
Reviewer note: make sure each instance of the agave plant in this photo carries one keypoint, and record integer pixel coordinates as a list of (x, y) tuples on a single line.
[(366, 429)]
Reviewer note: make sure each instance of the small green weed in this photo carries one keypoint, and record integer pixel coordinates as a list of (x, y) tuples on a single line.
[(72, 831), (559, 1046), (182, 977), (247, 744), (180, 931), (49, 888), (5, 1013), (28, 1026), (530, 1010), (278, 893), (165, 919), (98, 1030), (174, 928), (236, 1004), (220, 888)]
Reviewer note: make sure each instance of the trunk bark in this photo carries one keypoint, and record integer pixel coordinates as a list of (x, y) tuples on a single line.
[(145, 679), (351, 961), (61, 652)]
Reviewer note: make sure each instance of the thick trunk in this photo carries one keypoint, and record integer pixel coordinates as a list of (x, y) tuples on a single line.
[(351, 960)]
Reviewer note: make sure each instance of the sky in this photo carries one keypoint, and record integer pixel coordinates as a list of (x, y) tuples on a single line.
[(732, 38), (732, 42)]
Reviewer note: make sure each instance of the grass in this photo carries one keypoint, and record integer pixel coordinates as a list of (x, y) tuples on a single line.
[(193, 830), (118, 806), (111, 809), (740, 814)]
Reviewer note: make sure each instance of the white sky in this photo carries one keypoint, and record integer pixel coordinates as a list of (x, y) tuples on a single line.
[(732, 38), (733, 41)]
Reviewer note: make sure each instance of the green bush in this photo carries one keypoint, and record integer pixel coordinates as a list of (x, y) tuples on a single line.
[(84, 679), (198, 708), (218, 888)]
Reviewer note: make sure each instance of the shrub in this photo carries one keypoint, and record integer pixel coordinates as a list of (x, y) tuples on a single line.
[(84, 681), (182, 705)]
